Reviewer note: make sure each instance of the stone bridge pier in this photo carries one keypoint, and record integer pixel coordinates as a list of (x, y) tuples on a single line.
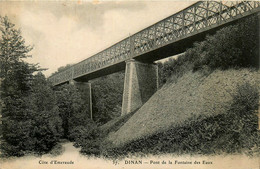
[(141, 82)]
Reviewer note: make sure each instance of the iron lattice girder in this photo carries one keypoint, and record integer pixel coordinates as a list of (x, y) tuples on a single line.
[(198, 17)]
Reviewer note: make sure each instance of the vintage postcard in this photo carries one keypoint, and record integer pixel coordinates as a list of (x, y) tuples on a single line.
[(129, 84)]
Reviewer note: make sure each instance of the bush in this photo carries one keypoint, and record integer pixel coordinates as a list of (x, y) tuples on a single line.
[(73, 109), (243, 112), (107, 97), (91, 140), (47, 129), (172, 69), (234, 131), (37, 123), (232, 46), (86, 138), (80, 133)]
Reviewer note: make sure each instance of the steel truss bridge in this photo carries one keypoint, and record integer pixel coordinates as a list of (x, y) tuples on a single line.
[(165, 38)]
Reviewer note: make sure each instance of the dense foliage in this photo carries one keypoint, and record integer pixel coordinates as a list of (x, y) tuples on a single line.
[(73, 110), (35, 115), (172, 69), (107, 97), (29, 115), (234, 46), (90, 141), (15, 76), (107, 93), (62, 68), (46, 129)]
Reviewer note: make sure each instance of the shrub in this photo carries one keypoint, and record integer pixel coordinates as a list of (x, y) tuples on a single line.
[(171, 70), (232, 46), (87, 138), (80, 133), (91, 140), (73, 109), (107, 97), (37, 123), (44, 116), (243, 112)]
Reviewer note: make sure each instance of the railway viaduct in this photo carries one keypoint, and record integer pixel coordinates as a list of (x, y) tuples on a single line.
[(137, 53)]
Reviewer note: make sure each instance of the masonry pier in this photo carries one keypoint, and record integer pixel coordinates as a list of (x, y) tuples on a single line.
[(141, 82)]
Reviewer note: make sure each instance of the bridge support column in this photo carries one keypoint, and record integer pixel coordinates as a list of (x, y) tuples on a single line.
[(258, 56), (86, 93), (141, 82), (258, 39)]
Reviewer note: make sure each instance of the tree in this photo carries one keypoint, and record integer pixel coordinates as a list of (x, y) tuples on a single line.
[(29, 115), (16, 76), (44, 115), (232, 46), (72, 109), (166, 69), (14, 73), (62, 68), (107, 97)]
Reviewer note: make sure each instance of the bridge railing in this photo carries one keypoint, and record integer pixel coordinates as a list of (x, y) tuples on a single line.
[(196, 18)]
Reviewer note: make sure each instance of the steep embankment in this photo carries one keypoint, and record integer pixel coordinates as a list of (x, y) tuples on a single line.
[(193, 94)]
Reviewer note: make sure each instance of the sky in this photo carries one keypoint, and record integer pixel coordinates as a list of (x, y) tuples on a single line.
[(66, 32)]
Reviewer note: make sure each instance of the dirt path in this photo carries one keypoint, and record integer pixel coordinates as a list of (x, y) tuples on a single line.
[(74, 160), (69, 159)]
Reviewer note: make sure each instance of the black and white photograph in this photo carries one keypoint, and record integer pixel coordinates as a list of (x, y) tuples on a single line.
[(128, 84)]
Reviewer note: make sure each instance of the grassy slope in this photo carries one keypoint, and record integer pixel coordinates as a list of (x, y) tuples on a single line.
[(175, 102)]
